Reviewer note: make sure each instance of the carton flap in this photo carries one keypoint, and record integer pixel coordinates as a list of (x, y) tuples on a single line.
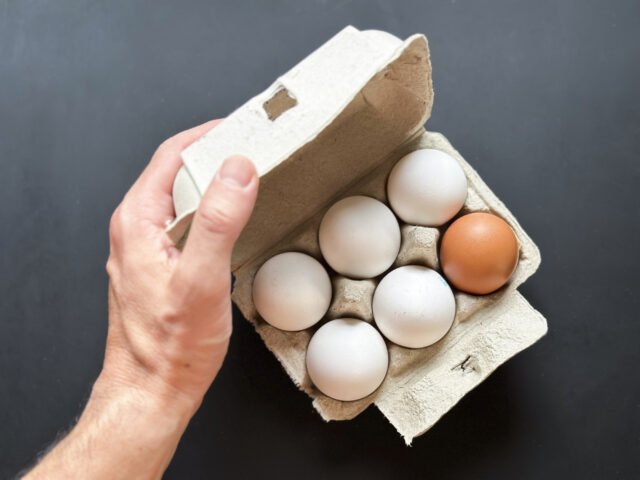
[(328, 120)]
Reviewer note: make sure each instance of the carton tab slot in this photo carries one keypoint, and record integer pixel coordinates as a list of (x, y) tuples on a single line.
[(279, 103)]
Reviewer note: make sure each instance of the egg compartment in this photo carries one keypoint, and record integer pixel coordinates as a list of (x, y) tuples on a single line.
[(352, 298), (361, 101)]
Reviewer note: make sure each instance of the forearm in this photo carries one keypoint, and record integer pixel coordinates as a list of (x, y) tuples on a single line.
[(169, 322), (122, 434)]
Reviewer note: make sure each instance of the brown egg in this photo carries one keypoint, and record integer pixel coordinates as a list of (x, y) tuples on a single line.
[(479, 252)]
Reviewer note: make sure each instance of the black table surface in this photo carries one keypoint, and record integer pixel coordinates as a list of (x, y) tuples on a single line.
[(540, 97)]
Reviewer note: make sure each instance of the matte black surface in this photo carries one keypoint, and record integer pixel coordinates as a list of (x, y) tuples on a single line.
[(542, 98)]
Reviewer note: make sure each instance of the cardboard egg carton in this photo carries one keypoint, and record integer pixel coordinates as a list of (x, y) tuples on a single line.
[(331, 127)]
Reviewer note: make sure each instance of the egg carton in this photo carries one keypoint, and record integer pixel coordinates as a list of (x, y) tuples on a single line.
[(331, 127)]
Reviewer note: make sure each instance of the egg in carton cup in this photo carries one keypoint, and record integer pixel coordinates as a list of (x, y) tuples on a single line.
[(331, 127)]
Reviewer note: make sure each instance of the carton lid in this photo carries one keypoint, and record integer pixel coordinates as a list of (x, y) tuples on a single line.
[(316, 129)]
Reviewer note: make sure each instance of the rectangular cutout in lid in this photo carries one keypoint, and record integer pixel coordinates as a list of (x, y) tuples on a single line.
[(279, 103)]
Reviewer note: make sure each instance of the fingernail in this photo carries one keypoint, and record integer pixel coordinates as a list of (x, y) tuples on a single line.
[(237, 171)]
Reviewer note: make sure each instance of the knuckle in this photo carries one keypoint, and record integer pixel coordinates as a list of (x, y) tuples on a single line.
[(120, 225), (125, 218), (115, 226), (114, 267), (216, 218), (167, 145), (110, 267), (174, 312)]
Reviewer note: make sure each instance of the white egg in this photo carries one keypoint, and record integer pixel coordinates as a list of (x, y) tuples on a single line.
[(427, 187), (359, 237), (292, 291), (413, 306), (347, 359), (185, 193)]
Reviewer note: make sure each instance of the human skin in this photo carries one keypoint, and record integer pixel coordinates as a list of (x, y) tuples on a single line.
[(169, 322)]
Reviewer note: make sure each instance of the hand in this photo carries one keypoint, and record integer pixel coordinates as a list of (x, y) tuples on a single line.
[(170, 311), (169, 320)]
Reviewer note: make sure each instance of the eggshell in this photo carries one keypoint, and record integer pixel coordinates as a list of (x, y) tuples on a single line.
[(427, 187), (359, 237), (185, 194), (347, 359), (292, 291), (479, 253), (413, 306)]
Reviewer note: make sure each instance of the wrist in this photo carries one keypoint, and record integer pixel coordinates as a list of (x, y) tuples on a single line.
[(159, 406), (143, 426), (125, 375)]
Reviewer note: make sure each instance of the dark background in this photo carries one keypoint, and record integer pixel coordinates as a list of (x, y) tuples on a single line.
[(540, 97)]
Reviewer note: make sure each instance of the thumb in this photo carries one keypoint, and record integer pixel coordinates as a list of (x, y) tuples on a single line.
[(223, 212)]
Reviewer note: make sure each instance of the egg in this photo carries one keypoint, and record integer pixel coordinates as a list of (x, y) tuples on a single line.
[(292, 291), (427, 187), (347, 359), (413, 306), (185, 194), (479, 253), (359, 237)]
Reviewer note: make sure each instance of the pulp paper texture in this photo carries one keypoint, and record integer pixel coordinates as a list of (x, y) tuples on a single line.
[(331, 127)]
